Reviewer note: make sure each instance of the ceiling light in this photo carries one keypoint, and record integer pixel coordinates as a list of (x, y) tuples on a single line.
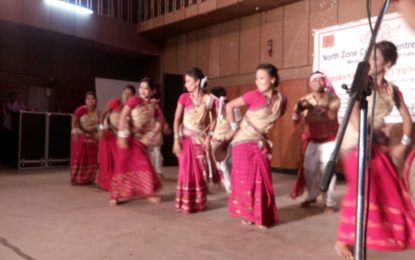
[(69, 7)]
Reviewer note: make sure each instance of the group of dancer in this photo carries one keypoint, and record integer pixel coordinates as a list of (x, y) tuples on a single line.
[(112, 148), (129, 127)]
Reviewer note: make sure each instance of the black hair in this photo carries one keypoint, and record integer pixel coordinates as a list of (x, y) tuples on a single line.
[(388, 50), (131, 88), (90, 93), (149, 82), (218, 91), (197, 74), (271, 70)]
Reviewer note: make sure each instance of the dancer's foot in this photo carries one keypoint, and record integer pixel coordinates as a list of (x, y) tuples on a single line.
[(343, 250), (329, 210), (307, 203), (262, 227), (154, 199), (113, 202), (247, 223)]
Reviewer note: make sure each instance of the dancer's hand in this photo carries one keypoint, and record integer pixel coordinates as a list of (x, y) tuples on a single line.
[(177, 149), (167, 130), (149, 139), (397, 152), (122, 142), (207, 143), (229, 136)]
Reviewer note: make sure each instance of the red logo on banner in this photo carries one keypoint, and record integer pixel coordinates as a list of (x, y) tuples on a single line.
[(328, 41)]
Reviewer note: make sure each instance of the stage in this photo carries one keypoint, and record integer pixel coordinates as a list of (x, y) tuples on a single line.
[(44, 217)]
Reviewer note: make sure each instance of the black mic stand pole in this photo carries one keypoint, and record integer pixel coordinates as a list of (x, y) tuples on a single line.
[(359, 92)]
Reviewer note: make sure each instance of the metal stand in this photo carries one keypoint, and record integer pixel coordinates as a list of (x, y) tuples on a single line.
[(359, 92)]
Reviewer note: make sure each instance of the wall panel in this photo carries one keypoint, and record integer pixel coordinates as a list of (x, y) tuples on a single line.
[(182, 54), (272, 23), (203, 50), (249, 43), (192, 50), (229, 48), (36, 14), (296, 34), (214, 51), (170, 55)]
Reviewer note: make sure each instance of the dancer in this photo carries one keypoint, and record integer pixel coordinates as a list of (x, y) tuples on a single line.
[(154, 150), (319, 109), (221, 151), (252, 195), (108, 150), (390, 216), (84, 148), (191, 140), (137, 177)]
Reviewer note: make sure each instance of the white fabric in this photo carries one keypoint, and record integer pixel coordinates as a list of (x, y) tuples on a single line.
[(225, 167), (315, 159), (156, 158)]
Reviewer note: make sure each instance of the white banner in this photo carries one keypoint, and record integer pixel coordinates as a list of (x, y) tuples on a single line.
[(338, 50)]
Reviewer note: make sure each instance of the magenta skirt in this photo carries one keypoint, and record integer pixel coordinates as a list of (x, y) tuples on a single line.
[(108, 152), (391, 216), (84, 159), (191, 193), (252, 195), (135, 176)]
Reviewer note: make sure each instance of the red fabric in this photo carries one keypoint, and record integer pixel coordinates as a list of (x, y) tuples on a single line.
[(252, 195), (323, 130), (133, 101), (184, 100), (299, 185), (80, 111), (138, 178), (191, 193), (391, 216), (114, 104), (254, 99), (83, 161), (410, 159), (108, 153)]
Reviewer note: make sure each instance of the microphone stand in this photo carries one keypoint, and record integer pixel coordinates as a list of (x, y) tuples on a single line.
[(359, 92)]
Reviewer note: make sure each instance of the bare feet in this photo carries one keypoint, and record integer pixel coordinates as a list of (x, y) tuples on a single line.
[(343, 250), (262, 227), (246, 223), (329, 210), (113, 202), (306, 203), (154, 199)]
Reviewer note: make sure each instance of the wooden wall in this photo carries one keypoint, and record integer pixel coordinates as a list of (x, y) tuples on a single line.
[(229, 53), (30, 57)]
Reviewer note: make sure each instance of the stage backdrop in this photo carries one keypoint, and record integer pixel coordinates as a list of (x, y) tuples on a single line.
[(110, 88), (338, 49)]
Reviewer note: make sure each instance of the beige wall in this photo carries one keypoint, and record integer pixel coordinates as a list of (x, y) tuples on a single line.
[(229, 53)]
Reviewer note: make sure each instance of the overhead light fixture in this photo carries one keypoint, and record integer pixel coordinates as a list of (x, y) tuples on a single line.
[(69, 7)]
